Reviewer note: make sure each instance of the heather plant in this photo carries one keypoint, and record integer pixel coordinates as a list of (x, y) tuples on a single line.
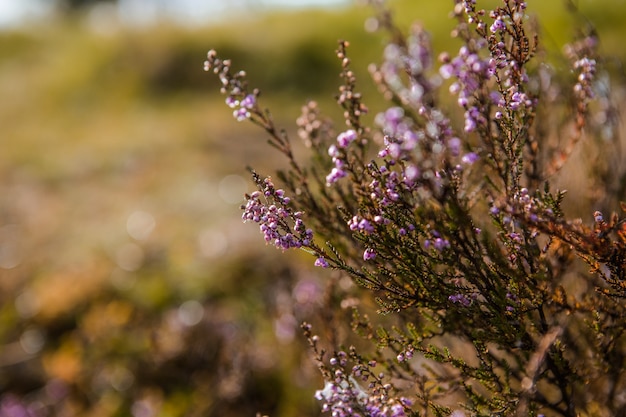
[(491, 300)]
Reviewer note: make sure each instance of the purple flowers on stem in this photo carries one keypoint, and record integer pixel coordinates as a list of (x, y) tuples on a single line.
[(344, 397), (322, 262), (233, 85), (273, 219), (359, 224), (369, 254), (470, 249), (338, 154), (346, 138)]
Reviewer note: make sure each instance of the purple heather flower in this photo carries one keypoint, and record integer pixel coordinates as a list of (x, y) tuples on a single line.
[(249, 101), (446, 71), (362, 225), (469, 158), (232, 102), (583, 88), (441, 244), (333, 151), (335, 175), (454, 145), (369, 254), (346, 138), (470, 123), (411, 173), (365, 226), (410, 139), (517, 100), (397, 410), (516, 237), (597, 216), (496, 98), (241, 114), (498, 25), (391, 119), (272, 220), (460, 299), (321, 262)]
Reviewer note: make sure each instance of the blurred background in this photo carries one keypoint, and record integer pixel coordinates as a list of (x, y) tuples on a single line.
[(128, 284)]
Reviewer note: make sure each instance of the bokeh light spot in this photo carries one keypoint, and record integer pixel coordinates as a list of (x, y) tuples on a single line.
[(10, 251), (129, 257), (140, 225), (190, 313), (212, 243), (32, 340), (26, 304), (232, 189)]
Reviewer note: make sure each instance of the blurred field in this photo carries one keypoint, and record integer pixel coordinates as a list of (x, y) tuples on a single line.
[(128, 284)]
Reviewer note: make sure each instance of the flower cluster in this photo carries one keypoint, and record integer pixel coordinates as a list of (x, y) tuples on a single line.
[(243, 107), (436, 241), (338, 154), (587, 70), (411, 57), (312, 129), (347, 399), (461, 299), (233, 85), (273, 219), (386, 186), (470, 73), (361, 225), (344, 397)]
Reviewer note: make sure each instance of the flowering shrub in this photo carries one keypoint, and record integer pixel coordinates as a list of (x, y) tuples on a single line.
[(442, 210)]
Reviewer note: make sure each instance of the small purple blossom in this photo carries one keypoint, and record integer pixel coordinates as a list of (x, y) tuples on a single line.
[(273, 219), (470, 158), (241, 114), (369, 254), (359, 224), (498, 25), (460, 299), (333, 151), (344, 397), (597, 216), (335, 175), (232, 102), (322, 262), (249, 101), (587, 70), (441, 244), (346, 138)]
